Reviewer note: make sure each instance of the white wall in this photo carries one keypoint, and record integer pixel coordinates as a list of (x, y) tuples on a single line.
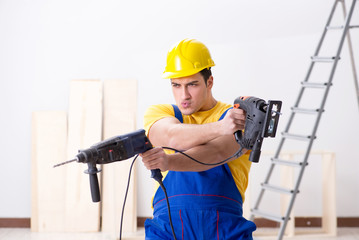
[(261, 48)]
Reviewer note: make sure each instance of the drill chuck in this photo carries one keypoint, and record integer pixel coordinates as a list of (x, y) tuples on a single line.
[(87, 155)]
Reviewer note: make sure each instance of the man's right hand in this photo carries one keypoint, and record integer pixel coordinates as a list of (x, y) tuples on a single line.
[(233, 121)]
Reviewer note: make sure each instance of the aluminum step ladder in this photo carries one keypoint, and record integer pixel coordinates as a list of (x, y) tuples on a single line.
[(297, 109)]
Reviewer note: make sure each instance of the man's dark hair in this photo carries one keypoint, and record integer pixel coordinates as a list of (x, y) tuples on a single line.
[(206, 73)]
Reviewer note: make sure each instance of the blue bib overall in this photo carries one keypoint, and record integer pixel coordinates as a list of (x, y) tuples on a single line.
[(204, 205)]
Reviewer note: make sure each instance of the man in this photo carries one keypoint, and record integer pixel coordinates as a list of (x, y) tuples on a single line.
[(205, 200)]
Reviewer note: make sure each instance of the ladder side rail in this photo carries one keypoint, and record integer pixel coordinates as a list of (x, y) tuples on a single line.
[(316, 52), (268, 176), (301, 173), (296, 189), (337, 56), (311, 66), (325, 29), (335, 63), (348, 18), (261, 194), (352, 60), (356, 84)]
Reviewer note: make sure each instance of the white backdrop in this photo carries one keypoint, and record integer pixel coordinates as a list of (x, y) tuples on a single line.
[(260, 48)]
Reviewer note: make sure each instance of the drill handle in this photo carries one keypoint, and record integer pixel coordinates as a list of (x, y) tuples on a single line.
[(155, 173), (94, 186)]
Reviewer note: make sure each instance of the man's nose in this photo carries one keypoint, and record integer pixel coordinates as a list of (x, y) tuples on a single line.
[(185, 93)]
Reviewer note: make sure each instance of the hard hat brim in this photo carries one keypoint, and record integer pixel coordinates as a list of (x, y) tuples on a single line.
[(167, 75)]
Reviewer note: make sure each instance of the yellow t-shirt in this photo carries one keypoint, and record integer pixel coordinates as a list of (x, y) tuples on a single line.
[(239, 167)]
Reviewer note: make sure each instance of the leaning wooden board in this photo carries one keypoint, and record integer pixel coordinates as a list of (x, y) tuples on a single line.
[(84, 129), (119, 118), (49, 136)]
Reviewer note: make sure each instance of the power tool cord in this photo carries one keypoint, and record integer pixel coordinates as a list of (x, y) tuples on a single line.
[(236, 154), (126, 193), (169, 209), (124, 201)]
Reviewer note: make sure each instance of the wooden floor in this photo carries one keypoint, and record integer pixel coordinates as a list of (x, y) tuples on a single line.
[(26, 234), (309, 233)]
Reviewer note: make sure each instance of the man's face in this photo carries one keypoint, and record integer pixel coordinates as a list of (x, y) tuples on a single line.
[(191, 93)]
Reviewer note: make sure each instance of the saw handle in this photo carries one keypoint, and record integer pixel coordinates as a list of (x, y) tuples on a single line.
[(238, 135)]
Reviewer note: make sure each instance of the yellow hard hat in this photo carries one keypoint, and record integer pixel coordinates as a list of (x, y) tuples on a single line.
[(186, 58)]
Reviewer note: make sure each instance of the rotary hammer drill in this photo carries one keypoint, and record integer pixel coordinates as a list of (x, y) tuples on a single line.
[(111, 150)]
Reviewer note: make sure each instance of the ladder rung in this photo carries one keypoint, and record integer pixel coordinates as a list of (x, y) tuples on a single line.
[(323, 59), (297, 136), (315, 84), (334, 27), (286, 162), (268, 215), (277, 189), (305, 110), (341, 27)]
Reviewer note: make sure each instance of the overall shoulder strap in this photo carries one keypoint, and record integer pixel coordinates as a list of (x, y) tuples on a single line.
[(224, 114), (178, 113)]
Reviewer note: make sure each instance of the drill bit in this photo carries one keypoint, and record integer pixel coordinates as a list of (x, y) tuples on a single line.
[(63, 163)]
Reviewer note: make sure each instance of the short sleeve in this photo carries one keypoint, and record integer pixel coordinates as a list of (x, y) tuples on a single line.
[(155, 113)]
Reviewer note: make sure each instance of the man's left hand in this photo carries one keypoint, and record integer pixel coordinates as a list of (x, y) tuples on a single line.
[(155, 158)]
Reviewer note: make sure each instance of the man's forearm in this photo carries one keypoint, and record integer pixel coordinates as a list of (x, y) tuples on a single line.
[(170, 132), (186, 136), (214, 151)]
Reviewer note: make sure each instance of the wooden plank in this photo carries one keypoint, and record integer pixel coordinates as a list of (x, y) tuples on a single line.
[(329, 220), (84, 130), (49, 136), (120, 105)]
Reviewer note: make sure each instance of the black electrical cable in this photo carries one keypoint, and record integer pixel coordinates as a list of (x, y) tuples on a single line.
[(126, 193), (124, 201), (236, 154), (169, 209)]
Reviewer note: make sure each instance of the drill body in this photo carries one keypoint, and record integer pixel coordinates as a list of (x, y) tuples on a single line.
[(112, 150), (116, 148), (261, 122)]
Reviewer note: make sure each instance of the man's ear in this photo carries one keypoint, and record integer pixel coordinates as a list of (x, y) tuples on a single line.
[(210, 82)]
